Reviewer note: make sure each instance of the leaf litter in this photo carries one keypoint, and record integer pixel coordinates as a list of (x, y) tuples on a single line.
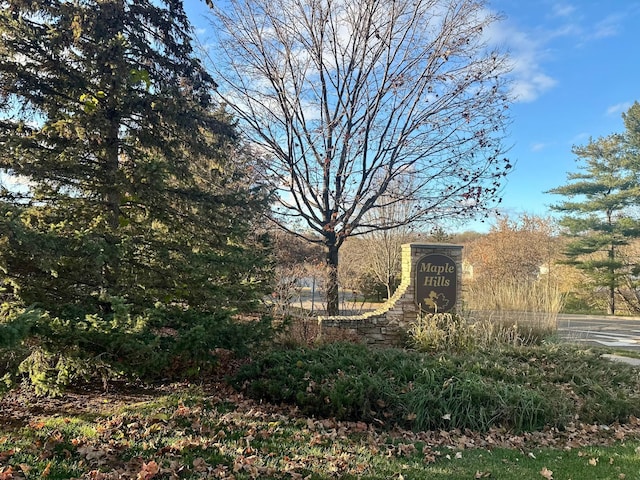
[(227, 435)]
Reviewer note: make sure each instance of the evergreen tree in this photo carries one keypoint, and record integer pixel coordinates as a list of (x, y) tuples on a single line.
[(122, 185), (599, 210), (129, 188)]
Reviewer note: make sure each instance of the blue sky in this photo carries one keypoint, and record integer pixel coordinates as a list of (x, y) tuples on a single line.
[(576, 69)]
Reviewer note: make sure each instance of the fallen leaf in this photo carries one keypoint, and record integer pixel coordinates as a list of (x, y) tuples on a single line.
[(91, 453), (6, 473), (480, 474), (200, 465), (6, 454), (148, 471), (47, 470), (593, 462), (546, 473), (406, 449)]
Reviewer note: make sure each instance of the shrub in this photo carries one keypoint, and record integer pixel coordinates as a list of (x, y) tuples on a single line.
[(374, 290), (162, 343), (524, 388), (473, 401)]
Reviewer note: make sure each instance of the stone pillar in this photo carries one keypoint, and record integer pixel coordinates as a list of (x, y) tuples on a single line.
[(431, 281), (408, 305)]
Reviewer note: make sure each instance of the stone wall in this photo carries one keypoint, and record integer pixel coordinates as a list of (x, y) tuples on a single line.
[(388, 325)]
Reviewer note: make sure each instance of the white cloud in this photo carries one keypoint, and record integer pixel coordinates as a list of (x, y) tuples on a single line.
[(563, 10), (536, 147), (530, 84), (580, 138), (608, 27), (529, 79), (618, 108), (532, 46)]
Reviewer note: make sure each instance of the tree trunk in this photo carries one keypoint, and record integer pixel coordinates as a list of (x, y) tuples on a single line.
[(611, 307), (113, 84), (112, 202), (112, 195), (389, 284), (333, 300)]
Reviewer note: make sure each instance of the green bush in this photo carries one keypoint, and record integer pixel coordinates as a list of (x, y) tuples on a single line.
[(53, 352), (585, 303), (334, 380), (522, 389), (476, 402)]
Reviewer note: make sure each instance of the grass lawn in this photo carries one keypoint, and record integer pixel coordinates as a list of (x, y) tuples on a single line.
[(184, 431)]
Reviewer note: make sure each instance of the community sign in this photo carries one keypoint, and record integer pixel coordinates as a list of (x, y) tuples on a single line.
[(436, 283)]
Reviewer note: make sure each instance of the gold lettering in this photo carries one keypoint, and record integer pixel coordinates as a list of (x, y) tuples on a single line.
[(436, 281), (437, 269)]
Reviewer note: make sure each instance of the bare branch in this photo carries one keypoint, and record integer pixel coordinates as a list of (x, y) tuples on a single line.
[(350, 98)]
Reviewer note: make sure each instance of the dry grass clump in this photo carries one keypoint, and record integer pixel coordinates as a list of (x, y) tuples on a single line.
[(514, 311)]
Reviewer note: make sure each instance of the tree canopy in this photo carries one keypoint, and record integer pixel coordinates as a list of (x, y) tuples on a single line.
[(514, 250), (347, 100), (131, 180), (600, 210)]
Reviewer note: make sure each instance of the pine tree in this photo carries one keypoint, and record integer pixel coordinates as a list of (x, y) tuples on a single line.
[(132, 183), (598, 214)]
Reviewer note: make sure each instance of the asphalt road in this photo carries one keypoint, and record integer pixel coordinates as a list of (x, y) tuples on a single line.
[(615, 332)]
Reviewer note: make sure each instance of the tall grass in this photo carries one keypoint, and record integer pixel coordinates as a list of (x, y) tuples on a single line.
[(445, 332), (437, 332), (528, 306)]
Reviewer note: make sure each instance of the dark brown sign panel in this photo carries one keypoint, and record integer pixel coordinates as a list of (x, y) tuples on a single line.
[(436, 283)]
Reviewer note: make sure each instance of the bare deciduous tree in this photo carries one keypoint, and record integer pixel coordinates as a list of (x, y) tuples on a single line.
[(345, 99), (382, 249), (515, 277), (516, 249)]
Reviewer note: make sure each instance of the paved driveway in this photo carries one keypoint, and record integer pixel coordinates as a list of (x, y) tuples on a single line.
[(616, 332)]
